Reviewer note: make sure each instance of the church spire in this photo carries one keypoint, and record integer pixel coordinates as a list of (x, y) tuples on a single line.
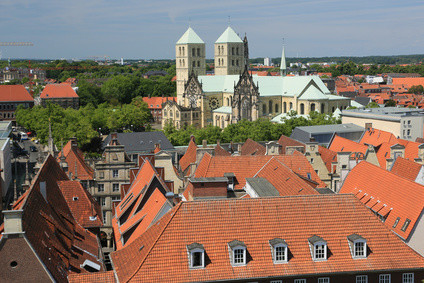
[(283, 66), (246, 51)]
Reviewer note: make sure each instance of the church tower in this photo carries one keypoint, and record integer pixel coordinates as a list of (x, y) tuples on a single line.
[(190, 56), (283, 66), (229, 54)]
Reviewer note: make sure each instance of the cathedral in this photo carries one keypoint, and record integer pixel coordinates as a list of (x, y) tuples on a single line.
[(232, 94)]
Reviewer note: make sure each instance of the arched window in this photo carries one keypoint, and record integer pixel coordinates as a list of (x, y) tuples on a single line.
[(194, 63), (237, 62), (222, 122), (276, 108), (232, 62), (285, 107), (222, 49), (198, 52), (237, 51), (263, 109), (219, 50), (170, 113), (183, 51), (180, 50), (312, 107), (322, 108), (291, 105), (302, 108), (183, 60), (222, 62), (193, 52), (270, 106), (228, 101)]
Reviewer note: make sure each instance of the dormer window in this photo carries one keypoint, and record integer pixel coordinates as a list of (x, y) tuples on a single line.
[(279, 250), (318, 247), (358, 246), (196, 254), (237, 253)]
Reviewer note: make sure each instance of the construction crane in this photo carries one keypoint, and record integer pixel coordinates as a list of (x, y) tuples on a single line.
[(16, 44)]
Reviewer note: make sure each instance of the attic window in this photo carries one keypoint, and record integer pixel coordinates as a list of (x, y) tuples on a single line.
[(405, 225), (279, 250), (237, 253), (75, 198), (318, 248), (396, 222), (196, 255), (358, 246)]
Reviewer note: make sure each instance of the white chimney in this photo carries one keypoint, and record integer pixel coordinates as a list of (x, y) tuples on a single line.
[(13, 221)]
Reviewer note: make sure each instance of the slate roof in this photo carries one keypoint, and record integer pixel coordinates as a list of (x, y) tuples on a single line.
[(386, 194), (59, 241), (83, 206), (58, 91), (160, 254), (141, 141), (406, 168), (14, 93)]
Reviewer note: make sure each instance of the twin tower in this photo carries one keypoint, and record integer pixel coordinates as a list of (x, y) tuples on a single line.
[(230, 53)]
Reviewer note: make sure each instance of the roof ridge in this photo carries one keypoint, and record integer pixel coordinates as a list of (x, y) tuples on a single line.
[(156, 240)]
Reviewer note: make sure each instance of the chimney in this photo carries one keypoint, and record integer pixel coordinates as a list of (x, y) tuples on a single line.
[(13, 221), (204, 143)]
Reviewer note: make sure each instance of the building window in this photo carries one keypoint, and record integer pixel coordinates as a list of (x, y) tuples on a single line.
[(103, 201), (232, 51), (104, 217), (270, 106), (405, 225), (408, 278), (100, 188), (193, 52), (116, 198), (320, 251), (302, 108), (115, 187), (196, 255), (276, 108), (239, 256), (362, 279), (194, 63), (360, 249), (324, 280), (232, 62), (264, 109), (115, 173), (276, 281), (280, 253), (198, 52), (198, 63), (237, 51), (384, 278), (299, 280), (408, 132), (318, 247)]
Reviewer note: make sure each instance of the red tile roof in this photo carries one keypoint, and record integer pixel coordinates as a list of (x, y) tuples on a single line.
[(189, 157), (328, 156), (58, 91), (139, 208), (398, 194), (286, 141), (58, 240), (376, 137), (160, 254), (156, 102), (383, 153), (74, 157), (339, 144), (220, 151), (408, 82), (406, 168), (14, 93), (251, 147), (96, 277), (83, 206)]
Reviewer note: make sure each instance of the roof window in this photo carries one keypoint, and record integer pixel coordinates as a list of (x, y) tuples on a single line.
[(237, 253), (396, 222), (196, 253), (405, 225), (75, 198), (318, 248), (279, 250), (357, 245)]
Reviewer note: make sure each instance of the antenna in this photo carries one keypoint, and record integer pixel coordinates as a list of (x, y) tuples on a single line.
[(229, 20)]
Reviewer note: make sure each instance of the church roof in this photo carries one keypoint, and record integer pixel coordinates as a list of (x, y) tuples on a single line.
[(229, 35), (312, 93), (190, 36), (223, 109)]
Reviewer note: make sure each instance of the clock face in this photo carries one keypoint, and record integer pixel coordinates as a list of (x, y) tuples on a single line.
[(213, 103)]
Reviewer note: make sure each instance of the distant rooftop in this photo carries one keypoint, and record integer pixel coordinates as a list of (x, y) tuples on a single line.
[(141, 141), (339, 128), (383, 113)]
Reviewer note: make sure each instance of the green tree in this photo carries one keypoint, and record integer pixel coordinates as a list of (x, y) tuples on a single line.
[(373, 105), (390, 103), (416, 89), (89, 93)]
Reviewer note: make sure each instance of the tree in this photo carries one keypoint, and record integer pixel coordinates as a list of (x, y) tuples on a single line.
[(89, 93), (120, 88), (373, 105), (416, 89), (390, 103)]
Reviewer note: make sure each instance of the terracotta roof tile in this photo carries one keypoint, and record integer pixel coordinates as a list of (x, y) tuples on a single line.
[(83, 206), (160, 254), (189, 157), (14, 93), (220, 151), (156, 102), (97, 277), (251, 147), (328, 156), (339, 144), (286, 141), (408, 82), (376, 137), (406, 168), (58, 91), (76, 164), (397, 193)]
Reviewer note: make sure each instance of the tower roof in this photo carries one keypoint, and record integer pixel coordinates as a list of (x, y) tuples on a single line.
[(283, 60), (190, 36), (229, 35)]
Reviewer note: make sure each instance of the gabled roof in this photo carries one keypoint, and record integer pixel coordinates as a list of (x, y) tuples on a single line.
[(406, 168), (14, 93), (76, 163), (190, 36), (140, 207), (58, 91), (160, 254), (59, 241), (83, 206), (220, 151), (339, 144), (286, 141), (156, 102), (312, 93), (328, 156), (376, 137), (251, 147), (189, 157), (229, 35), (399, 195)]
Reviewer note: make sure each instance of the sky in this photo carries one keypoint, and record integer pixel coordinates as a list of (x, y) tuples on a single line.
[(140, 29)]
